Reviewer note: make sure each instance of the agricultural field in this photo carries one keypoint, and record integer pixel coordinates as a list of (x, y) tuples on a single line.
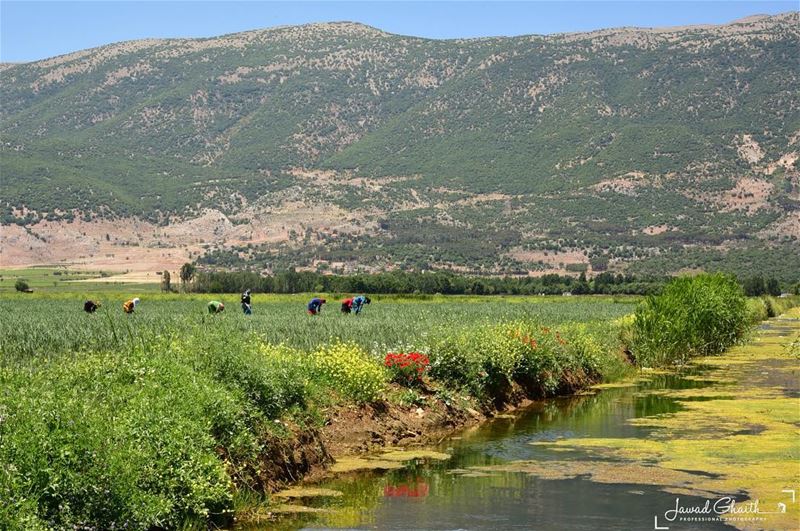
[(48, 278), (176, 418), (135, 409), (389, 323)]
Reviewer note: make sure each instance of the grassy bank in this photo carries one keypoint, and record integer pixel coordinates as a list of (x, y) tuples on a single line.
[(167, 417)]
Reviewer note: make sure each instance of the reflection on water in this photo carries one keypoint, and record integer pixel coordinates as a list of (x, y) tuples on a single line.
[(448, 495), (417, 488)]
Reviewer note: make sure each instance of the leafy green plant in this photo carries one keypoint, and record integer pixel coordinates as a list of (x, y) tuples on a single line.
[(697, 315), (411, 398), (489, 360)]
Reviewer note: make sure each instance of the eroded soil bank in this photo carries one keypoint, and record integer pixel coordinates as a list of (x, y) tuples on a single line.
[(725, 428), (350, 431)]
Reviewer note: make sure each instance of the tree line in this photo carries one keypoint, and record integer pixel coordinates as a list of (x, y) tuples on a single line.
[(403, 282), (443, 282)]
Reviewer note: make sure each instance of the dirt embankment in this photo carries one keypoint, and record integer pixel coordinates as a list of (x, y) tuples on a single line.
[(353, 430)]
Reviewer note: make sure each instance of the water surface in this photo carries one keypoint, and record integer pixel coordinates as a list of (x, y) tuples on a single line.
[(453, 494)]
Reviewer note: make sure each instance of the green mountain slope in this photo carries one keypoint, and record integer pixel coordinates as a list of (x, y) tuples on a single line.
[(614, 147)]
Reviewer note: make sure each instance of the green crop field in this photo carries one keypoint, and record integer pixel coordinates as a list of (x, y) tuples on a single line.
[(118, 420), (46, 277), (165, 417), (27, 320)]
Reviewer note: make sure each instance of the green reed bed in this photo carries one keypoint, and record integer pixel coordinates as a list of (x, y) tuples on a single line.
[(695, 316)]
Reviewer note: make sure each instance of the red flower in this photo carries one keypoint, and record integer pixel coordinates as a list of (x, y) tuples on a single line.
[(407, 368)]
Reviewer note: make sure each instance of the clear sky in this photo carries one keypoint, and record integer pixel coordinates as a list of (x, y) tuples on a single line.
[(31, 30)]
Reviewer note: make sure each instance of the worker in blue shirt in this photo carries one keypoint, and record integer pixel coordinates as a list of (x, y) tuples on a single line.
[(359, 302), (315, 306)]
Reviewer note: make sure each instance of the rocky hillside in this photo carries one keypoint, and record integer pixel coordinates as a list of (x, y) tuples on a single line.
[(339, 146)]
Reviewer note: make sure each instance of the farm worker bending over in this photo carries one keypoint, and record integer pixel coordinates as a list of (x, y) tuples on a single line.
[(359, 302), (347, 305), (246, 308), (215, 307), (91, 306), (129, 306), (315, 306)]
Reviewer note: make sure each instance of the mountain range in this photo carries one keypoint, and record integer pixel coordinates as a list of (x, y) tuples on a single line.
[(340, 147)]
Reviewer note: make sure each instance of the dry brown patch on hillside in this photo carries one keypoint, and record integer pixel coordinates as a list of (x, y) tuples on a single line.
[(626, 184), (337, 177), (543, 86), (492, 59), (786, 226), (655, 229), (761, 28), (749, 150), (62, 59), (341, 131), (552, 260), (151, 119), (317, 176), (127, 72), (787, 162), (237, 41), (484, 198), (749, 195), (132, 245), (127, 245), (71, 63)]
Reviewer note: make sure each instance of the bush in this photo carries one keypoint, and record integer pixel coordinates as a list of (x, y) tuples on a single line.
[(488, 360), (757, 310), (21, 285), (113, 442), (776, 306), (350, 370), (271, 377), (692, 316)]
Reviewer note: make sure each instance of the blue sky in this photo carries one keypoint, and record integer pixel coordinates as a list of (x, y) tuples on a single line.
[(31, 30)]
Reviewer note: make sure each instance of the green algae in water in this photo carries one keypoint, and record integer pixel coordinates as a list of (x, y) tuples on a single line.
[(615, 385), (649, 371), (710, 379), (287, 508), (350, 464), (306, 492), (598, 471), (391, 460), (741, 439), (408, 455)]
